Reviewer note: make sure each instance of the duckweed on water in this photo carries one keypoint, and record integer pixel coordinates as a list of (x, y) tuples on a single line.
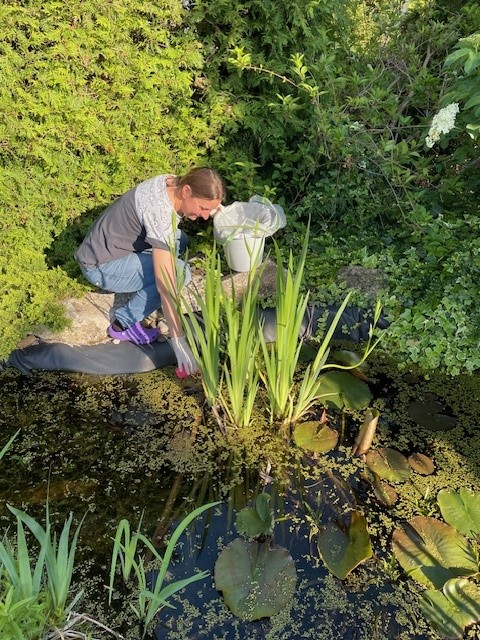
[(113, 446)]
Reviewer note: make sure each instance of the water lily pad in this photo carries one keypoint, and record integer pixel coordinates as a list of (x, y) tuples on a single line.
[(384, 492), (313, 436), (432, 552), (389, 464), (257, 580), (341, 390), (258, 521), (364, 440), (421, 463), (343, 549), (430, 413), (461, 510), (454, 608)]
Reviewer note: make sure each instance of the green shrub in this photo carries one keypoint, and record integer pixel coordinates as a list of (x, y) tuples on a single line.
[(94, 98)]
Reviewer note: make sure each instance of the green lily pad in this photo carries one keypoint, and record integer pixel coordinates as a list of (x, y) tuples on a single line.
[(258, 521), (389, 464), (432, 552), (341, 389), (313, 436), (454, 608), (461, 510), (421, 463), (257, 580), (343, 549)]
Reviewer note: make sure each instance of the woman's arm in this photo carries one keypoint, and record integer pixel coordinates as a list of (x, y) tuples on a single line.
[(164, 268)]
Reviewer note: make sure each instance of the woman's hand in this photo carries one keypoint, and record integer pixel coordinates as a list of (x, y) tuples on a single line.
[(185, 359)]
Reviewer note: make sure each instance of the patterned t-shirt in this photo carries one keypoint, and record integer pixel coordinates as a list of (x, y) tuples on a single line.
[(140, 219)]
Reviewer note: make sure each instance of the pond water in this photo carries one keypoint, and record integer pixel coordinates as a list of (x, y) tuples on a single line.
[(114, 447)]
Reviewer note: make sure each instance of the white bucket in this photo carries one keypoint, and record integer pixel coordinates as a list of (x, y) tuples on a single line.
[(244, 253)]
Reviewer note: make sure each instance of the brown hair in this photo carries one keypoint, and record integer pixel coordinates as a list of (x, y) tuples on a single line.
[(204, 182)]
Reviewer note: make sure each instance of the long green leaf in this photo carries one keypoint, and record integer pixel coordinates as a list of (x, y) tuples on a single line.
[(174, 539)]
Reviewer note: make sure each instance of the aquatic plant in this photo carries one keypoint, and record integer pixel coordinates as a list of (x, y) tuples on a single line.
[(388, 464), (461, 509), (440, 556), (225, 344), (7, 446), (35, 595), (257, 578), (240, 367), (454, 608), (366, 433), (289, 401), (315, 436), (344, 547), (231, 368), (343, 390), (151, 593), (204, 335), (256, 521)]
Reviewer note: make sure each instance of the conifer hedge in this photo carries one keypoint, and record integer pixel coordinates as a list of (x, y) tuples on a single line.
[(94, 96)]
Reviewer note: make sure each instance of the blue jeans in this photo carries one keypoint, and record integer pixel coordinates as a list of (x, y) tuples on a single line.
[(134, 274)]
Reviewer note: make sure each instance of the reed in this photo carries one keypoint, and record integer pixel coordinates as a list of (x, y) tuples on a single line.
[(280, 358), (242, 345), (204, 337), (152, 594)]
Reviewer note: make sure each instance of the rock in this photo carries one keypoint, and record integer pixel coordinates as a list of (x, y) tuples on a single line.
[(90, 315)]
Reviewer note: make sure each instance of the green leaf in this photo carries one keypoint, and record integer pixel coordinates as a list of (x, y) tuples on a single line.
[(455, 607), (472, 63), (341, 389), (455, 56), (389, 464), (9, 444), (474, 100), (256, 580), (262, 505), (310, 437), (432, 552), (344, 549), (258, 521), (461, 510)]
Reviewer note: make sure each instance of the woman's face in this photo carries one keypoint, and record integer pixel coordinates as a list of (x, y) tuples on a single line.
[(194, 208)]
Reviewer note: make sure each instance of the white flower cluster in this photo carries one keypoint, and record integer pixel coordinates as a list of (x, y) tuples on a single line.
[(442, 122)]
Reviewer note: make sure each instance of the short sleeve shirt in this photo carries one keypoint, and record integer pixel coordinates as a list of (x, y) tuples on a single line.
[(140, 219)]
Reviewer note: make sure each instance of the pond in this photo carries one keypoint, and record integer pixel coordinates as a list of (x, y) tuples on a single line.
[(144, 447)]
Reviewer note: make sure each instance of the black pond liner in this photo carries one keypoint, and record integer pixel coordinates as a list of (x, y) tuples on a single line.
[(200, 613), (109, 358)]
